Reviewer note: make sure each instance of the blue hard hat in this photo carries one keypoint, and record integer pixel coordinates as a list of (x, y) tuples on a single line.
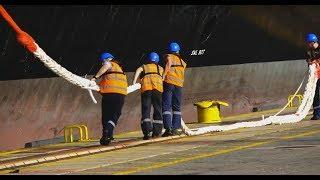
[(105, 56), (174, 47), (154, 57), (312, 38)]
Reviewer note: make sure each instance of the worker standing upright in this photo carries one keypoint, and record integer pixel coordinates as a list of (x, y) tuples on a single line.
[(113, 88), (313, 56), (151, 94), (173, 77)]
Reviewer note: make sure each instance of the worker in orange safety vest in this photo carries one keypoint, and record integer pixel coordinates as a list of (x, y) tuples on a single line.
[(150, 75), (173, 77), (113, 88)]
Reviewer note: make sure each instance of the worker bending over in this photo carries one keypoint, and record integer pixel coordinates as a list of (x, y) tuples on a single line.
[(113, 88)]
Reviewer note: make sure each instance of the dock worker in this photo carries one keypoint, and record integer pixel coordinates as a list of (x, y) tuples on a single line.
[(313, 56), (150, 75), (113, 88), (173, 77)]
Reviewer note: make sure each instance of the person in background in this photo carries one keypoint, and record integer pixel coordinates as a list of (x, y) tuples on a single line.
[(313, 56)]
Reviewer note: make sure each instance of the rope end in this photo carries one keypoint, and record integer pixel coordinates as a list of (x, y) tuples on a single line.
[(27, 41)]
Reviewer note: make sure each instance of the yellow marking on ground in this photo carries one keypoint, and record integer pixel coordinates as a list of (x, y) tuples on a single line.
[(200, 156), (124, 134), (206, 155), (3, 172), (4, 153)]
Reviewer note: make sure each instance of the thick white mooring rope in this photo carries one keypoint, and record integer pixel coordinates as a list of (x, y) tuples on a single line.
[(63, 72), (301, 113), (72, 78)]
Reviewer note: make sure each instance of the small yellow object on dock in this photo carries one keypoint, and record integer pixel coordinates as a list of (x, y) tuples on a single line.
[(209, 111)]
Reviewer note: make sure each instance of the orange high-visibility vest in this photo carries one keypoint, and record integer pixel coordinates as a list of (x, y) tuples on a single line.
[(114, 80), (175, 74), (151, 78)]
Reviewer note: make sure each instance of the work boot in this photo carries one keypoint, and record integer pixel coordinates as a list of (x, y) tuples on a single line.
[(315, 118), (155, 135), (167, 133), (176, 132), (104, 141), (147, 136)]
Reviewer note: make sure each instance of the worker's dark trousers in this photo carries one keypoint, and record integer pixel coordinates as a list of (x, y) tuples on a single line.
[(112, 104), (171, 106), (153, 98), (316, 102)]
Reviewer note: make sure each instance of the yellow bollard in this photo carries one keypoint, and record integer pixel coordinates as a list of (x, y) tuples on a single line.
[(83, 132), (209, 111)]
